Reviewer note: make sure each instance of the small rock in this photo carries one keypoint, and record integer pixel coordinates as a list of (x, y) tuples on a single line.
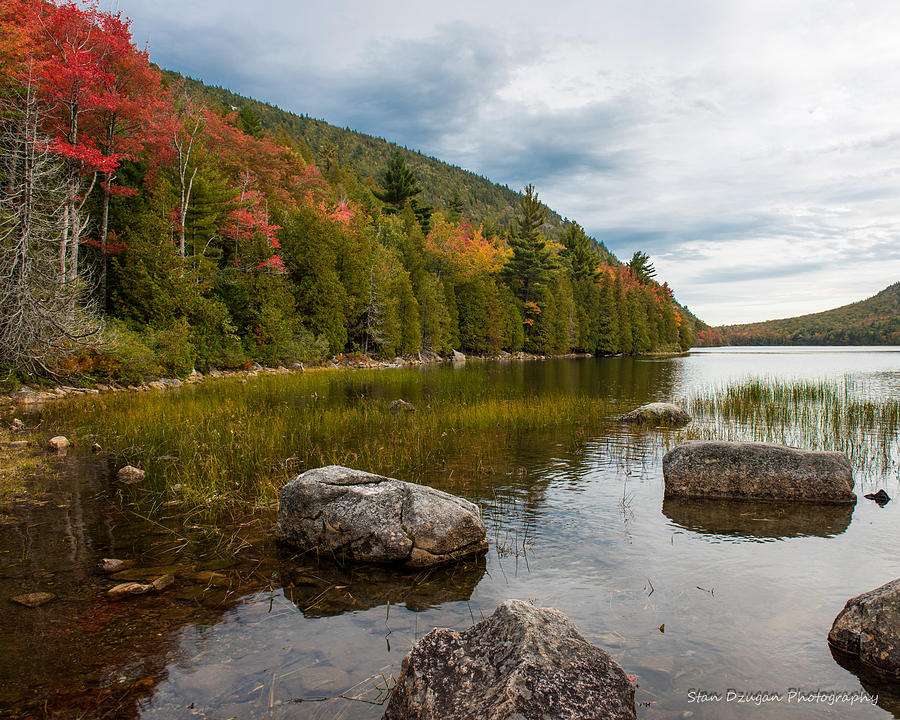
[(33, 600), (114, 565), (17, 444), (16, 425), (458, 357), (881, 497), (58, 444), (130, 475), (162, 582), (143, 575), (95, 448), (523, 662), (210, 578), (401, 405), (657, 414), (609, 639), (124, 590)]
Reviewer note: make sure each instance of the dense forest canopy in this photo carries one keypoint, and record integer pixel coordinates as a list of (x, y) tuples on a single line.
[(875, 321), (152, 225)]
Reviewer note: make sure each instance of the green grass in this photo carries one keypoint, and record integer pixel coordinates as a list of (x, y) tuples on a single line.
[(238, 441)]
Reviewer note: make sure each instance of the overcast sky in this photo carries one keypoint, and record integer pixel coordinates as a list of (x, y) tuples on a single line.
[(751, 147)]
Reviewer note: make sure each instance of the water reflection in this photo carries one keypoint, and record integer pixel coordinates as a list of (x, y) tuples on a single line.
[(576, 520), (326, 589), (742, 520), (885, 688)]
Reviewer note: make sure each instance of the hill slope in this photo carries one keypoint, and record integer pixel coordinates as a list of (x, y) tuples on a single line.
[(875, 321), (482, 200)]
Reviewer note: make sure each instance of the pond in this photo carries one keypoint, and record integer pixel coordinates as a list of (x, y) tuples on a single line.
[(690, 597)]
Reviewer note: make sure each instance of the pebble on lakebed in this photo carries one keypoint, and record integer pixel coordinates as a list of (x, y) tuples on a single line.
[(33, 600)]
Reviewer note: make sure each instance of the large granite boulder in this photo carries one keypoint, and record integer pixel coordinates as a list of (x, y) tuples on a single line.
[(658, 413), (356, 515), (868, 628), (521, 663), (757, 471)]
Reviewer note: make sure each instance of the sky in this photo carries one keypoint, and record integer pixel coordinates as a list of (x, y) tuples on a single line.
[(751, 147)]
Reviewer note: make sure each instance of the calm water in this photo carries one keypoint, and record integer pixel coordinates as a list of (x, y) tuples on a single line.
[(746, 593)]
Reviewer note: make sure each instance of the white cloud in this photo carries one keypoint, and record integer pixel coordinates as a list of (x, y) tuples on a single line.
[(754, 140)]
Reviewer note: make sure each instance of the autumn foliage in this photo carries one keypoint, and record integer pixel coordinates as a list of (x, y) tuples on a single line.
[(205, 239)]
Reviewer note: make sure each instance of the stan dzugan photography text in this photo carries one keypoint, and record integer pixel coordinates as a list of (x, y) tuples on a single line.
[(791, 696)]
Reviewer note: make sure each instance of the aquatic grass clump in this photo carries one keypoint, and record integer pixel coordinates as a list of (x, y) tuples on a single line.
[(846, 415), (232, 441)]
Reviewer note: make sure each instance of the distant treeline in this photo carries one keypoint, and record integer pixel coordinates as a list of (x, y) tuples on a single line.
[(149, 225), (875, 321)]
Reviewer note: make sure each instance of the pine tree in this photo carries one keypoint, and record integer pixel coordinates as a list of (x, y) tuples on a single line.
[(250, 121), (529, 267), (641, 267), (401, 187), (580, 257)]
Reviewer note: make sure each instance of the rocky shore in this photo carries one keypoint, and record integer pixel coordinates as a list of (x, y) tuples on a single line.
[(27, 396)]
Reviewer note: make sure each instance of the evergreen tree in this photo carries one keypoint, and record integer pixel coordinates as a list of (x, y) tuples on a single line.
[(641, 267), (401, 187), (250, 121), (579, 255), (529, 267)]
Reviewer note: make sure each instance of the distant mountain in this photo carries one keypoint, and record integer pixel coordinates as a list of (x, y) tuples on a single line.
[(875, 321), (479, 198)]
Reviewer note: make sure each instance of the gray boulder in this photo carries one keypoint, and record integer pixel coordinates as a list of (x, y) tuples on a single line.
[(521, 663), (658, 413), (458, 357), (758, 471), (868, 628), (359, 516)]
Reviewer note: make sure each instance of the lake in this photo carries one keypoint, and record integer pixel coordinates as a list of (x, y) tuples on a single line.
[(693, 598)]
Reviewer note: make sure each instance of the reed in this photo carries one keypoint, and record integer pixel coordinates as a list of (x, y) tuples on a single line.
[(233, 441), (847, 415)]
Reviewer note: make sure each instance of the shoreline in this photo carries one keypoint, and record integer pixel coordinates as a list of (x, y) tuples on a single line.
[(27, 397)]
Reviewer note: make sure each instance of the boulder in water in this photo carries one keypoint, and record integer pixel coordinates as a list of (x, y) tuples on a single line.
[(356, 515), (658, 413), (521, 663), (757, 471)]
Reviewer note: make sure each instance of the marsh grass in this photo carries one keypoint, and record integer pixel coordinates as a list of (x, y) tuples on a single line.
[(231, 442), (845, 414)]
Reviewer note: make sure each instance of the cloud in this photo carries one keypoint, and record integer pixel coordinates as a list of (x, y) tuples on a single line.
[(749, 147)]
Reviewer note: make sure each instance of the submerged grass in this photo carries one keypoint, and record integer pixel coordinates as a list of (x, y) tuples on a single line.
[(234, 441), (844, 414)]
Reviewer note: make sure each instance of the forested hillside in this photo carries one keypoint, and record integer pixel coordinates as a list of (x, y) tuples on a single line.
[(443, 185), (150, 225), (875, 321)]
